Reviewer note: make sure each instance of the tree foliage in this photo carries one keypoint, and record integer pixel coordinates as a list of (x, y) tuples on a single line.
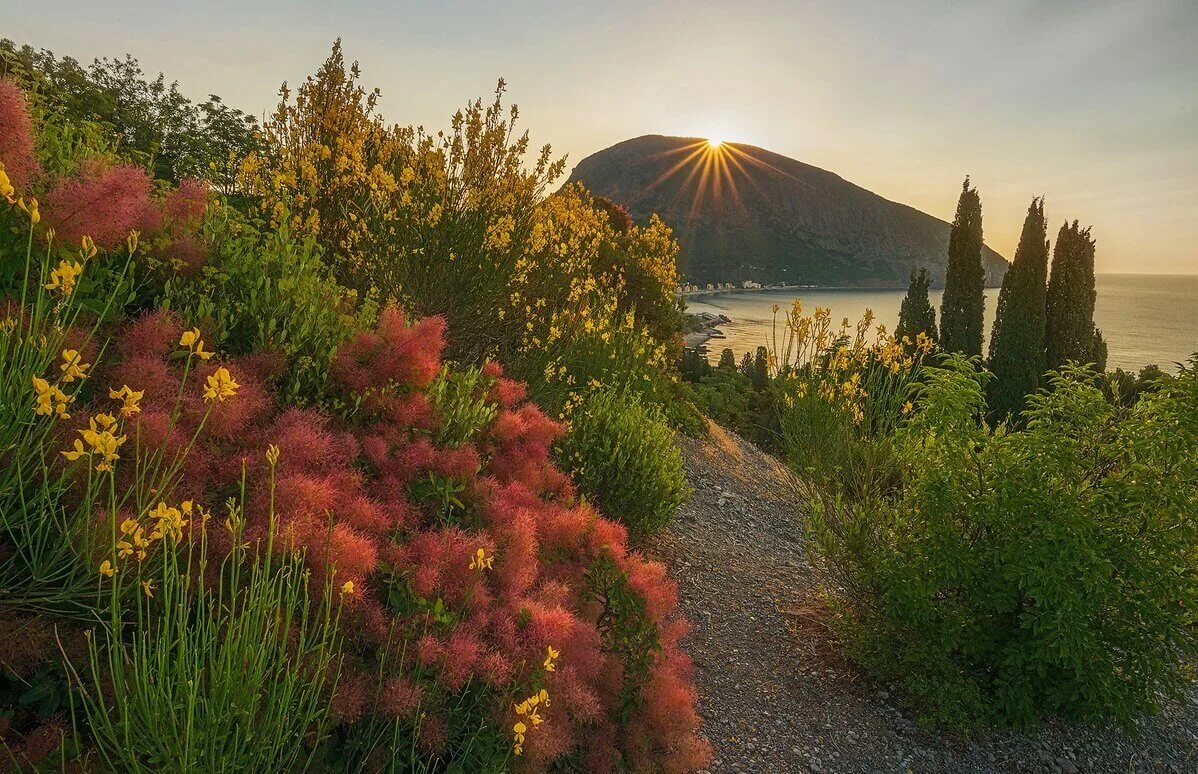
[(147, 119), (1070, 334), (962, 305), (1017, 343), (917, 315)]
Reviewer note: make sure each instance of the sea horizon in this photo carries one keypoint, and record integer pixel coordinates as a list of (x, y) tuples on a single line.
[(1146, 318)]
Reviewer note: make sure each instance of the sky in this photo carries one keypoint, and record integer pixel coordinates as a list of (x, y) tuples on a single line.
[(1092, 104)]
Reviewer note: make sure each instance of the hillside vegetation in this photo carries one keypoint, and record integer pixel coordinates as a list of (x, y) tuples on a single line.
[(269, 501)]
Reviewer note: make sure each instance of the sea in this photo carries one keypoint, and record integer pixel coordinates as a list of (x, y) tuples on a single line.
[(1145, 318)]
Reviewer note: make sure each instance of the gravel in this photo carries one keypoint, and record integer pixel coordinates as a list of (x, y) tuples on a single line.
[(775, 693)]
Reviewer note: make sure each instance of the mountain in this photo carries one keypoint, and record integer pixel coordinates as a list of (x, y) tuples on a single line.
[(741, 212)]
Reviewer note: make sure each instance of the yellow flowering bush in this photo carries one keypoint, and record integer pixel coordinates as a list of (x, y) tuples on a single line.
[(456, 224), (839, 392)]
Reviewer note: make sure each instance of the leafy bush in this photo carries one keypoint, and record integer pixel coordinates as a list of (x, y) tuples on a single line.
[(268, 290), (1023, 574), (727, 396), (624, 457)]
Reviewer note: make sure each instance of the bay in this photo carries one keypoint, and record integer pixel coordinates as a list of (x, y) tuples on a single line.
[(1146, 318)]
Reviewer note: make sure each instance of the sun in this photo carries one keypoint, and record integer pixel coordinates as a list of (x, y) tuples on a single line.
[(714, 142)]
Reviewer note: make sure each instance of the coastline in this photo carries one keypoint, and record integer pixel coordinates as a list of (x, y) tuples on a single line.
[(710, 323), (690, 294), (710, 329)]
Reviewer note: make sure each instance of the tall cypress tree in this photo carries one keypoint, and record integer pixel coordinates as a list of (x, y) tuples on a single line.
[(962, 305), (917, 315), (1017, 341), (1069, 326)]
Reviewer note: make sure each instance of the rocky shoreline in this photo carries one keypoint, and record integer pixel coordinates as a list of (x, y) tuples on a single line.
[(702, 327)]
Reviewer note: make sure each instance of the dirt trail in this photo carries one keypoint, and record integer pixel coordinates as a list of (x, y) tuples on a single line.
[(775, 695)]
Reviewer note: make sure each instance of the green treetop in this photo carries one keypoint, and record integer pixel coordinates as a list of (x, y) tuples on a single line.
[(917, 315), (962, 304), (1069, 325), (1017, 340)]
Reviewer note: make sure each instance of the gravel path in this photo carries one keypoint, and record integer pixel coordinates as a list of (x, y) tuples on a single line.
[(775, 695)]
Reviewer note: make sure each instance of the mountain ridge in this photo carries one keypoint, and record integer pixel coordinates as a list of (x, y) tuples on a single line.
[(758, 215)]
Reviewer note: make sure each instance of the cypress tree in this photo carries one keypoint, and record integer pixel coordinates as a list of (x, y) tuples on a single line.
[(1069, 326), (1017, 340), (727, 359), (917, 315), (761, 372), (694, 365), (962, 305)]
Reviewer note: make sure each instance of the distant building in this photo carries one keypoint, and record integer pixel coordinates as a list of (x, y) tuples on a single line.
[(750, 284)]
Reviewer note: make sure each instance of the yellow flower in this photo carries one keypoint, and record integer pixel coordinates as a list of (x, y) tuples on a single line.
[(131, 241), (148, 587), (518, 731), (170, 521), (907, 407), (130, 399), (72, 369), (98, 440), (480, 560), (107, 569), (272, 455), (192, 341), (221, 385), (6, 189), (550, 657), (87, 247), (31, 209), (63, 278), (347, 587), (50, 400)]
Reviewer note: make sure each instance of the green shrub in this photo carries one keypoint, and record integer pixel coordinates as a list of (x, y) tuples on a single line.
[(268, 290), (818, 438), (1022, 574), (624, 458), (726, 395), (621, 359)]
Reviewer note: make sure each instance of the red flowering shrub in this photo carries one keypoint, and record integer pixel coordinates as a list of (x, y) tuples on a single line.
[(184, 207), (101, 199), (104, 202), (16, 137), (472, 580)]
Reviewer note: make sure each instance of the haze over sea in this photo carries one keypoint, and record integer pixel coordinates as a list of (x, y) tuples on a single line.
[(1146, 318)]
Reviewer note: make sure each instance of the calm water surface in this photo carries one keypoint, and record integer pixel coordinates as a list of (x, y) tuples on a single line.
[(1146, 318)]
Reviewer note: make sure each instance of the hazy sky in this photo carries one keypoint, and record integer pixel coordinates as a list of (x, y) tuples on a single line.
[(1092, 103)]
